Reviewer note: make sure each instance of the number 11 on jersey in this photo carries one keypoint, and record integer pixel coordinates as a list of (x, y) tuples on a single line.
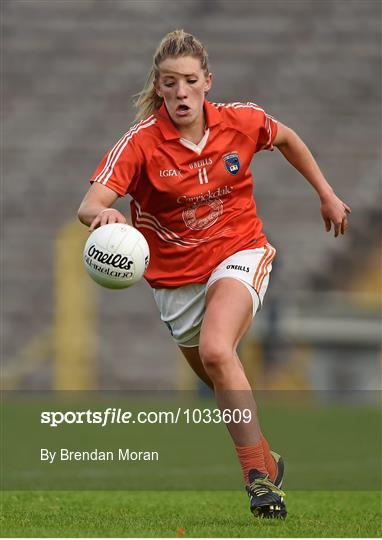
[(203, 178)]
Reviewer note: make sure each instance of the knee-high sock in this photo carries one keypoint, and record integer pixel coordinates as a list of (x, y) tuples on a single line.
[(251, 457), (270, 462), (257, 457)]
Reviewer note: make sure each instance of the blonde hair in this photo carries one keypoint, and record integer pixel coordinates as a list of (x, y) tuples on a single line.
[(174, 44)]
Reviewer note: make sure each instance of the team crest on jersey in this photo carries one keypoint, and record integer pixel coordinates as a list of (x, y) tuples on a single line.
[(231, 162)]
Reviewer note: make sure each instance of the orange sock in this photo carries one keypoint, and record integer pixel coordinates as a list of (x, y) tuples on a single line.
[(251, 457), (270, 462)]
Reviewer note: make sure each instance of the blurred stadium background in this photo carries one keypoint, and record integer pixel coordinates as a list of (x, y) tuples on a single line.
[(70, 69)]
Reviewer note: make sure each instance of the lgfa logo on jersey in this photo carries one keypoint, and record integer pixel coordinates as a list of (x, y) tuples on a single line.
[(231, 162), (170, 172)]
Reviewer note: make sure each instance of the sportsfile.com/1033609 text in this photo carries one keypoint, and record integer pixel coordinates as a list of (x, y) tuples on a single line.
[(113, 415)]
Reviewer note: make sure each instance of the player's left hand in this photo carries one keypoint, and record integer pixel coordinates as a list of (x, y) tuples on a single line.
[(334, 211)]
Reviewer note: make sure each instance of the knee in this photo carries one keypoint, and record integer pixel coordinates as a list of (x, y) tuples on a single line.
[(215, 356)]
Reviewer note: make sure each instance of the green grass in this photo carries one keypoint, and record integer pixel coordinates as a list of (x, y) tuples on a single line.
[(200, 514)]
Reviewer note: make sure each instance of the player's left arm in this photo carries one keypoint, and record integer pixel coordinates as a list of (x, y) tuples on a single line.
[(333, 210)]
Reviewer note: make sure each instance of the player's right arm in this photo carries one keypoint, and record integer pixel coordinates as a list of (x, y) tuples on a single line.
[(95, 209)]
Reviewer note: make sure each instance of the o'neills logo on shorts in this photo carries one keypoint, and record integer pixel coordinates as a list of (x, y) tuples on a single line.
[(206, 197), (116, 260), (237, 267)]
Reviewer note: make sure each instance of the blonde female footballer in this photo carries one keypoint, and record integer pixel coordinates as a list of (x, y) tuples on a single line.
[(186, 166)]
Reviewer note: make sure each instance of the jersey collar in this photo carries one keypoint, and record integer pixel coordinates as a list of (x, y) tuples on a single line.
[(168, 129)]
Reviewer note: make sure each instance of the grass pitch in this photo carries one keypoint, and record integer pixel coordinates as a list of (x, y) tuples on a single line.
[(186, 514)]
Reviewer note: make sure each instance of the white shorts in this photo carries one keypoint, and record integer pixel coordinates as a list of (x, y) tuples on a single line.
[(182, 309)]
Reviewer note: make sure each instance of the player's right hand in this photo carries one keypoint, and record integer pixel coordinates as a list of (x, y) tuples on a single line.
[(107, 215)]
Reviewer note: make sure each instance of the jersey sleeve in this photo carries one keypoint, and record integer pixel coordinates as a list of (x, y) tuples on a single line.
[(254, 122), (266, 130), (120, 167)]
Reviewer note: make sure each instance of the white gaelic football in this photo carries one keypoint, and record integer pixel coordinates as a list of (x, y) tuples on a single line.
[(116, 255)]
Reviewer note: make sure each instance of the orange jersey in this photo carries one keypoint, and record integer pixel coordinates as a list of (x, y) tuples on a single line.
[(193, 203)]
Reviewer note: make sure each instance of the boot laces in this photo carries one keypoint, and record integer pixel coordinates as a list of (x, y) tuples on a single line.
[(261, 486)]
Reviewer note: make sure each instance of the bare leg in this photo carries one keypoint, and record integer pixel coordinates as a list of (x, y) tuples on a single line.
[(227, 318), (192, 356)]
